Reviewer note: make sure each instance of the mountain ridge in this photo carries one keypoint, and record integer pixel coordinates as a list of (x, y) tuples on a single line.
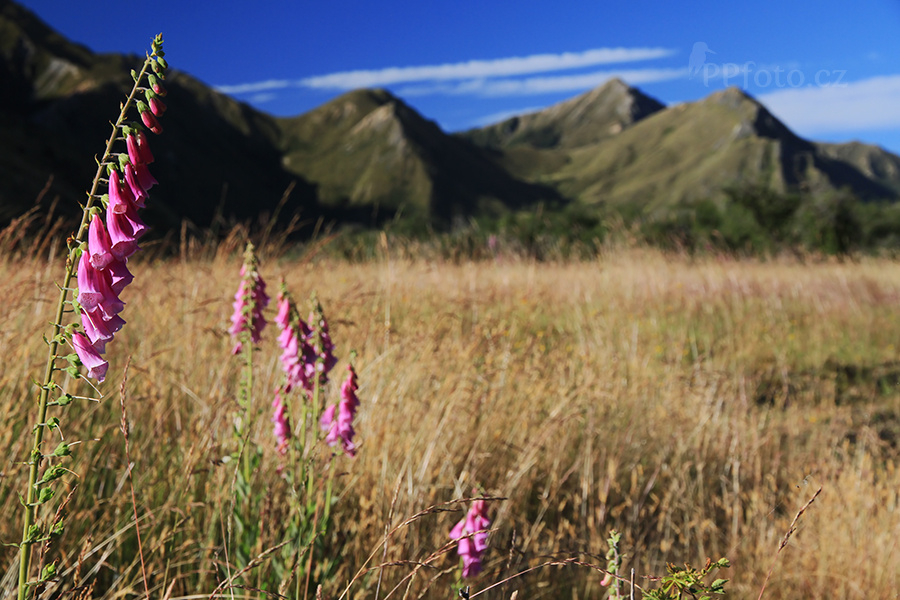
[(367, 157)]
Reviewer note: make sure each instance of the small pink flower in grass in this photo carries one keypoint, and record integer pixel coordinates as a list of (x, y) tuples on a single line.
[(339, 427), (472, 533), (298, 358), (249, 302), (90, 357), (320, 340), (281, 429)]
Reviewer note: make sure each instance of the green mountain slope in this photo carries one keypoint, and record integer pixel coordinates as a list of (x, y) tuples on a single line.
[(686, 152), (368, 148), (215, 157), (586, 119)]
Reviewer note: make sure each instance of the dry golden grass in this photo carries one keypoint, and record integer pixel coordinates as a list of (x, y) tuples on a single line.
[(694, 405)]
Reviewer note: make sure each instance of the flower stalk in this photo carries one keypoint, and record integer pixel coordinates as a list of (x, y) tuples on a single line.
[(87, 351)]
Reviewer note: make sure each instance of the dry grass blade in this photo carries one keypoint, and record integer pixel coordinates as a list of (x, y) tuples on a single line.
[(784, 540)]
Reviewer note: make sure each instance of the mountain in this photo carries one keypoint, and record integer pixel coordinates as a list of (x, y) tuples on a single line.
[(367, 157), (686, 152), (367, 148), (57, 101), (586, 119)]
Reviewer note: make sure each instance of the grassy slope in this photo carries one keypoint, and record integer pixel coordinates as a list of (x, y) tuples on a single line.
[(694, 405)]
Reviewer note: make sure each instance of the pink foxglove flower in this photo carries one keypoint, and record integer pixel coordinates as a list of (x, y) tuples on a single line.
[(320, 340), (121, 199), (100, 330), (298, 359), (99, 244), (281, 429), (119, 275), (94, 291), (249, 302), (124, 228), (138, 148), (90, 357), (472, 534), (134, 184), (339, 426), (145, 179)]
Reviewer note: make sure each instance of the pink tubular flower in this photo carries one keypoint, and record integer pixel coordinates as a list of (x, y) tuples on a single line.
[(298, 359), (99, 244), (145, 179), (472, 534), (339, 429), (119, 275), (94, 291), (100, 330), (138, 149), (139, 193), (121, 198), (249, 302), (124, 229), (281, 429), (90, 357)]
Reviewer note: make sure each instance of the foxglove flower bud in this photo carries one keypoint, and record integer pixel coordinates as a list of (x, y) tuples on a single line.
[(157, 107), (156, 86), (148, 118)]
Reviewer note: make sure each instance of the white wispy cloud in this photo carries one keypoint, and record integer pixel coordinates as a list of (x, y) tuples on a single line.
[(257, 86), (543, 85), (476, 69), (867, 104), (468, 70)]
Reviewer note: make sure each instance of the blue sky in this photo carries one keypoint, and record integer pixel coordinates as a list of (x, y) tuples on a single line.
[(829, 70)]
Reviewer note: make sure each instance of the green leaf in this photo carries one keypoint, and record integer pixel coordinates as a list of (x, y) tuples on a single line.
[(49, 572)]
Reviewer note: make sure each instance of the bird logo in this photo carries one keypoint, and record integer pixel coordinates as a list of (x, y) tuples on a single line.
[(698, 58)]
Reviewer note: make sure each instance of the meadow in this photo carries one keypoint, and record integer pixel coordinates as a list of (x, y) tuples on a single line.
[(693, 404)]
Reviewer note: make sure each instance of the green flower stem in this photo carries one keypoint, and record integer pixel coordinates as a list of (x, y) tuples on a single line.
[(35, 457)]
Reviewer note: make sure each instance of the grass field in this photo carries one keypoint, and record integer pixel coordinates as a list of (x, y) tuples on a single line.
[(695, 405)]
